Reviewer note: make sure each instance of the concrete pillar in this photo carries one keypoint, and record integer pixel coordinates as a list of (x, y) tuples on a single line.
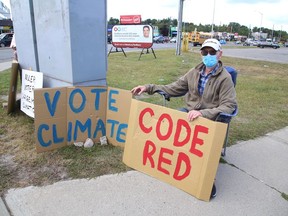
[(66, 40)]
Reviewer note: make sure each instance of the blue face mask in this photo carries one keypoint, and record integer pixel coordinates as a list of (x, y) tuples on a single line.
[(210, 60)]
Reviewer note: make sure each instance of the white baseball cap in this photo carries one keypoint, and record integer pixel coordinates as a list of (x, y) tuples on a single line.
[(212, 43)]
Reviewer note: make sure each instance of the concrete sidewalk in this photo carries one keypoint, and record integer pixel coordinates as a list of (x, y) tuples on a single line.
[(5, 65), (250, 183)]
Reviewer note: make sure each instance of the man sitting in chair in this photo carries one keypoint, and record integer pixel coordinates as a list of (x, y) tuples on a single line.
[(208, 88)]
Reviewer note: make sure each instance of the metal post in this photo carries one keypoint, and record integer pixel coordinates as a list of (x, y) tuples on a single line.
[(179, 28), (272, 33), (212, 30), (280, 33)]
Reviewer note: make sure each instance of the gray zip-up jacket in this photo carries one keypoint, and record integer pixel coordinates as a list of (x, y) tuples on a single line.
[(219, 94)]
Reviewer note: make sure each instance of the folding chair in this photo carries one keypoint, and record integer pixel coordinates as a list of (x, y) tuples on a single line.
[(222, 117), (225, 117)]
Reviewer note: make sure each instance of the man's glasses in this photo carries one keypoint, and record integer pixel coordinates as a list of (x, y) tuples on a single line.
[(211, 52)]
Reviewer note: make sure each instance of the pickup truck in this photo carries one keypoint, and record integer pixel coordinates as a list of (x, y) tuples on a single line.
[(268, 44)]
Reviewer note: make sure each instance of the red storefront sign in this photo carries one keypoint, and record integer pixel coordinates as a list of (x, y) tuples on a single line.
[(130, 19)]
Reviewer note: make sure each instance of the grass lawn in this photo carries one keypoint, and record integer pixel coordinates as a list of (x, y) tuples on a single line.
[(261, 93)]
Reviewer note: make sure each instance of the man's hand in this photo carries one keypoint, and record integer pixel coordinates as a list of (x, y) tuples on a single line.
[(193, 114), (138, 90)]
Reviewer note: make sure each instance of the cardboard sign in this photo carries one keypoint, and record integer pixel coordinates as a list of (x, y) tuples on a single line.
[(117, 115), (162, 143), (73, 114), (30, 81)]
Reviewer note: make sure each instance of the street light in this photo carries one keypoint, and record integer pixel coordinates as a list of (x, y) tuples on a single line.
[(212, 31), (260, 22), (179, 28)]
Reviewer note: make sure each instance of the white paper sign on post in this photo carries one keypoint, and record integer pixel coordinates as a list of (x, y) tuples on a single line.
[(30, 81)]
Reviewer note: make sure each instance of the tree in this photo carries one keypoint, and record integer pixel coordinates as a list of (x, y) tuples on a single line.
[(113, 21), (164, 26)]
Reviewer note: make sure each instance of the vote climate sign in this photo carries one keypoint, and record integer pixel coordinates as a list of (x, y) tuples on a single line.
[(72, 114)]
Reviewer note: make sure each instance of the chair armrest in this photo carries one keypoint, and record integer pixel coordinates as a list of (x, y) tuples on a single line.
[(226, 117), (164, 94)]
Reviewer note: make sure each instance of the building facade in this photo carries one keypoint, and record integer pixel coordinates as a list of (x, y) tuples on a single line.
[(4, 11)]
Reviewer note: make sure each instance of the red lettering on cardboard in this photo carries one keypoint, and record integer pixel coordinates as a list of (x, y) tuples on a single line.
[(170, 127), (149, 150), (164, 160), (180, 124), (182, 157), (197, 141), (141, 116)]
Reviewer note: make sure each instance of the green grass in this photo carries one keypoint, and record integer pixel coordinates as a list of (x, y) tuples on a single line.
[(285, 196), (261, 93), (261, 87)]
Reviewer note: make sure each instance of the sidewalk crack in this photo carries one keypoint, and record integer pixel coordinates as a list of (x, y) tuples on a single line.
[(285, 196)]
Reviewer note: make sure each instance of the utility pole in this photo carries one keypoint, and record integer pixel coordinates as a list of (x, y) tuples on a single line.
[(272, 32), (179, 28), (280, 33)]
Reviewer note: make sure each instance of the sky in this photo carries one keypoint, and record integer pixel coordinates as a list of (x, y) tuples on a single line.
[(245, 12), (273, 14)]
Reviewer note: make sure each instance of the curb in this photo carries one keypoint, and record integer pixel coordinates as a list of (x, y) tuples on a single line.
[(3, 209)]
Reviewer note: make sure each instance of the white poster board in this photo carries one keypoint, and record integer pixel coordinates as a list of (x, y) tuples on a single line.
[(30, 81), (133, 36)]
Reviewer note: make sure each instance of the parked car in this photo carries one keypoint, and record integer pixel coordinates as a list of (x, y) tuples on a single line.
[(255, 43), (159, 39), (173, 40), (5, 39), (222, 41), (268, 44), (246, 43), (166, 39), (109, 39)]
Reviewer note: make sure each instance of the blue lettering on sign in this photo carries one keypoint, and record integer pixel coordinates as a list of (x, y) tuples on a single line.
[(119, 130), (112, 100), (40, 137), (76, 127), (112, 122), (52, 106), (56, 139), (97, 97), (69, 132), (86, 126), (99, 127), (71, 98)]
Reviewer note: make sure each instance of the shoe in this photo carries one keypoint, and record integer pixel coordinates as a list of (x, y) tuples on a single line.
[(213, 192)]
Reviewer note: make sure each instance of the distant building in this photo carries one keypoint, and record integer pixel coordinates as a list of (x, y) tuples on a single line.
[(259, 35), (4, 11), (6, 24)]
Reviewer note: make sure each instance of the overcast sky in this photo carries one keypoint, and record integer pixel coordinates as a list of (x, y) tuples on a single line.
[(245, 12)]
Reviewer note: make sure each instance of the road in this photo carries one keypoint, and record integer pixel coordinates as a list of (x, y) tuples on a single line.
[(6, 54), (231, 50), (266, 54)]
